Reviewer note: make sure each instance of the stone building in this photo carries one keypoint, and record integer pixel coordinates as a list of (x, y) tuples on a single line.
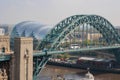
[(4, 44)]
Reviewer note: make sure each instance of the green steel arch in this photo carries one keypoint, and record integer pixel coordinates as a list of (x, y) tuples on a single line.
[(65, 27)]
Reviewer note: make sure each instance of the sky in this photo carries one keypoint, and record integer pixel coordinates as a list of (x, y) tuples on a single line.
[(51, 12)]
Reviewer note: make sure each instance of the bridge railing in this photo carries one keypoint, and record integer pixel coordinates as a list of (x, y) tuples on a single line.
[(4, 57), (41, 53)]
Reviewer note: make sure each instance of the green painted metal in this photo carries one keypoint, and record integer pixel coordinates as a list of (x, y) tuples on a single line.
[(40, 62), (4, 57), (57, 35), (76, 50), (59, 32)]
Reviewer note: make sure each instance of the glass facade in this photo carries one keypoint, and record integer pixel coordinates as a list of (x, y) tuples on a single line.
[(30, 29)]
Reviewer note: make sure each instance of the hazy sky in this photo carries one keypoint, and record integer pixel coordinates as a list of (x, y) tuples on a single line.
[(53, 11)]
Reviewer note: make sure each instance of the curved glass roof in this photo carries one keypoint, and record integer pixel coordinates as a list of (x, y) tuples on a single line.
[(30, 29)]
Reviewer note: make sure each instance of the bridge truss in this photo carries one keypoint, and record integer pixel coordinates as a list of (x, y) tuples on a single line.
[(83, 27), (87, 31)]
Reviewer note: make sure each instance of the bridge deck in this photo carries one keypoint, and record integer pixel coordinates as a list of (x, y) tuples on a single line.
[(40, 53), (5, 57)]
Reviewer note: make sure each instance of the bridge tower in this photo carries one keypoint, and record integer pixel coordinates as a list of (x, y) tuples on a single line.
[(23, 54), (4, 44), (4, 49)]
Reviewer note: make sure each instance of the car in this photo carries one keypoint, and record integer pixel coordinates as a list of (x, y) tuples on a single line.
[(74, 46)]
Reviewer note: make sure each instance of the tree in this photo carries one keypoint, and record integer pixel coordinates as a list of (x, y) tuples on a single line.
[(87, 42)]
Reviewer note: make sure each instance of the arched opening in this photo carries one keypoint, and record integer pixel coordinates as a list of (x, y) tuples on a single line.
[(86, 30), (3, 49)]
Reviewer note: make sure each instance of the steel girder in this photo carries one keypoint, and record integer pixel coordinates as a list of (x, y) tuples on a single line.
[(59, 32), (39, 62), (57, 29)]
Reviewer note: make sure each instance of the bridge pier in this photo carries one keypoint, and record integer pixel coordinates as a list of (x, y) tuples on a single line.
[(23, 59), (3, 74), (4, 64), (12, 66)]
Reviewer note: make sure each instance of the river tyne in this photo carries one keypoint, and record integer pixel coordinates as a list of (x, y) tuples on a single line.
[(73, 74)]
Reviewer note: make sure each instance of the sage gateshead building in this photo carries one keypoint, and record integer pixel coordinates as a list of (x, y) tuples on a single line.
[(30, 29)]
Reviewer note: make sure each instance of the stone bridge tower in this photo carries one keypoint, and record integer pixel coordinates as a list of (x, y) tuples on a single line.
[(23, 54), (4, 44)]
